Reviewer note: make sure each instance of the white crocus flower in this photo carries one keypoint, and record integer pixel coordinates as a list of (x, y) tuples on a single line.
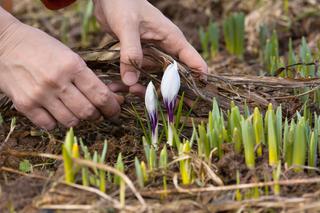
[(151, 102), (170, 85)]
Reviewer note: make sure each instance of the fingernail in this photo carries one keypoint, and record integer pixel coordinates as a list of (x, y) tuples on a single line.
[(130, 78)]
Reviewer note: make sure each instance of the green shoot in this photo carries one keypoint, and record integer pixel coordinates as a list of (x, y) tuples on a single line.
[(85, 170), (292, 58), (264, 34), (272, 136), (87, 16), (102, 173), (144, 172), (179, 111), (246, 110), (146, 135), (163, 164), (276, 177), (235, 128), (185, 164), (67, 156), (139, 173), (209, 40), (306, 57), (213, 34), (233, 29), (258, 130), (238, 192), (118, 180), (194, 136), (299, 146), (248, 142), (152, 159), (313, 145), (203, 142), (236, 139), (271, 53), (279, 128), (204, 40), (289, 144)]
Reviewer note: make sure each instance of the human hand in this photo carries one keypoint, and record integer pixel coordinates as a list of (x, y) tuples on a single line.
[(48, 82), (134, 20)]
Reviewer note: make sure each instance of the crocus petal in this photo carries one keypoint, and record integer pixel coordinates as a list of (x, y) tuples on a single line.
[(170, 83), (151, 99)]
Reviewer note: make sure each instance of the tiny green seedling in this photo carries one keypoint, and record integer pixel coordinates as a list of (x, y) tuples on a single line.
[(25, 166)]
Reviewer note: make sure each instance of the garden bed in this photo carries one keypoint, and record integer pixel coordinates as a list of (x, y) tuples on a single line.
[(32, 163)]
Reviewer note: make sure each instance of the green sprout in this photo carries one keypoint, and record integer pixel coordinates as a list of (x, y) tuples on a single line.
[(85, 170), (235, 127), (204, 41), (139, 173), (313, 151), (25, 166), (102, 173), (236, 139), (264, 34), (248, 142), (213, 31), (238, 192), (299, 146), (292, 58), (163, 164), (233, 29), (185, 163), (144, 172), (276, 177), (271, 53), (306, 57), (119, 181), (89, 23), (272, 136), (209, 40), (279, 128), (258, 130), (203, 142), (67, 148)]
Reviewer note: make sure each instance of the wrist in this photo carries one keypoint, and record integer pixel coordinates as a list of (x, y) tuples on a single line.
[(6, 20), (8, 28)]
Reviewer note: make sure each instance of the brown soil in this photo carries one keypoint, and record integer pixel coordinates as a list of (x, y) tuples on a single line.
[(29, 192)]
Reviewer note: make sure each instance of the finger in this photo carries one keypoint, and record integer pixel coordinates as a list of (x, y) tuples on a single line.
[(120, 99), (97, 92), (41, 118), (136, 89), (78, 104), (118, 87), (130, 52), (175, 43), (61, 113)]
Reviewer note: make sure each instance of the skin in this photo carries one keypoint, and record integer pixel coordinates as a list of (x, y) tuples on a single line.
[(50, 84)]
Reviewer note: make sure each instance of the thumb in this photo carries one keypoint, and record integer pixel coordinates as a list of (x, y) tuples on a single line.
[(130, 52)]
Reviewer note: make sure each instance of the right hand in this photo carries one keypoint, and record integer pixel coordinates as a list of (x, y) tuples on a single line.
[(49, 83)]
